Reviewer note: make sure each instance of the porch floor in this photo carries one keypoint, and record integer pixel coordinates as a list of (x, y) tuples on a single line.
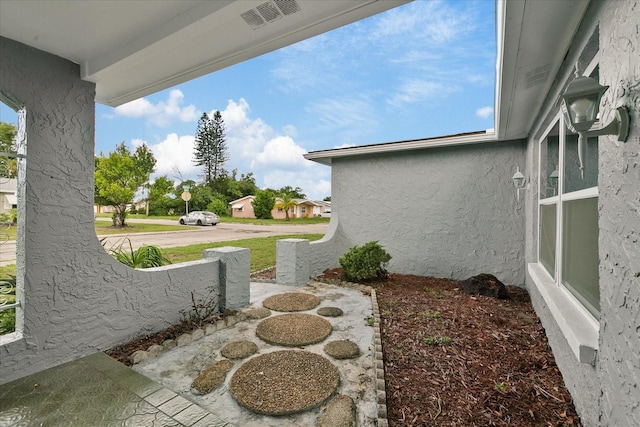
[(98, 391)]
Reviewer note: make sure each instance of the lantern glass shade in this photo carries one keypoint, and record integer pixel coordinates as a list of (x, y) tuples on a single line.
[(582, 101), (519, 180)]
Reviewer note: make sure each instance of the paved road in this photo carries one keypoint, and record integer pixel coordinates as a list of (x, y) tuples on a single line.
[(191, 235)]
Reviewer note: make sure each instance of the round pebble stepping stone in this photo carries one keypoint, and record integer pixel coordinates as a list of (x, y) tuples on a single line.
[(239, 349), (291, 301), (330, 311), (211, 377), (340, 412), (284, 382), (342, 349), (293, 330), (258, 313)]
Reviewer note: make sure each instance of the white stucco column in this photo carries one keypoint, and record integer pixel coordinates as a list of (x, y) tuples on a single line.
[(292, 262), (235, 272)]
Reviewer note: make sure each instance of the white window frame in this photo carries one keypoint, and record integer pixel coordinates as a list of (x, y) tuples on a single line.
[(579, 326)]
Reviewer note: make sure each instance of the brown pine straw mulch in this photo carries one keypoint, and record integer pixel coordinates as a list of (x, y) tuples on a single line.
[(453, 359)]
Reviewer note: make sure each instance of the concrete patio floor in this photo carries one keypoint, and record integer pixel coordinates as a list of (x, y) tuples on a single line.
[(99, 391)]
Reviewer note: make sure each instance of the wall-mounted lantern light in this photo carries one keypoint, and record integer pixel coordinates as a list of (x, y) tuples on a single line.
[(580, 106), (519, 181)]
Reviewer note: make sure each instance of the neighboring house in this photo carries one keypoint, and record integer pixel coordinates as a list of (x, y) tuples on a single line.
[(243, 207), (572, 242), (320, 207), (8, 195), (570, 236), (303, 209)]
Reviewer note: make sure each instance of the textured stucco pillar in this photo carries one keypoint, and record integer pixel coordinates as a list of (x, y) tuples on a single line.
[(292, 262), (235, 272)]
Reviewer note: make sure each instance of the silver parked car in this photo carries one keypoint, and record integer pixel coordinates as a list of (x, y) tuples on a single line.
[(199, 218)]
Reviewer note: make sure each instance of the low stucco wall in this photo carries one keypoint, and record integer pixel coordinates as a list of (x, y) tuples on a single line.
[(75, 298), (298, 260), (445, 212)]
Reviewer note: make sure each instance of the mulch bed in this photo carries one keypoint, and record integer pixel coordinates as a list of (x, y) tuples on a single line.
[(453, 359)]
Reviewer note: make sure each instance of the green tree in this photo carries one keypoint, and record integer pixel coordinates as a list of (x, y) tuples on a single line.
[(218, 205), (8, 165), (263, 204), (148, 164), (286, 202), (117, 177), (161, 197), (295, 193), (211, 149)]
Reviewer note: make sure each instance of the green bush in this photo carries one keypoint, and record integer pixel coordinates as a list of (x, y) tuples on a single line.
[(218, 206), (365, 262)]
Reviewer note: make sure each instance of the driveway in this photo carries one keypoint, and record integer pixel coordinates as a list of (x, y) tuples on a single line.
[(190, 236)]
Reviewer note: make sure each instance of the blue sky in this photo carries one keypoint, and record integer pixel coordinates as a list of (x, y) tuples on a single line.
[(424, 69)]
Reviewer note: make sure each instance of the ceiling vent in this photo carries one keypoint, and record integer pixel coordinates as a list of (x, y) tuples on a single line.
[(269, 12), (536, 76)]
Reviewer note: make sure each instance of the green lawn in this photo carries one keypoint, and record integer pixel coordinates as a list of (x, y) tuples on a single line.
[(103, 227), (263, 249)]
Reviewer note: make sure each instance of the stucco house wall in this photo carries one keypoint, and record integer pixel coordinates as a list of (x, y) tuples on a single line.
[(246, 210), (605, 392), (75, 298), (445, 211), (619, 222)]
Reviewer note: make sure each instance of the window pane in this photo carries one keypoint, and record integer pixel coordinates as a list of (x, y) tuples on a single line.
[(549, 155), (580, 252), (574, 178), (548, 238)]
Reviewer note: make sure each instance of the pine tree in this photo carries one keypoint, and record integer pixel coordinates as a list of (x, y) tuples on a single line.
[(211, 149)]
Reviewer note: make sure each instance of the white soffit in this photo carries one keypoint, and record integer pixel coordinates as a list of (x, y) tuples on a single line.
[(134, 48), (533, 39)]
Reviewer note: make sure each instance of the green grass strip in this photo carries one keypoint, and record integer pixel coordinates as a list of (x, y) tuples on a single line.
[(263, 249)]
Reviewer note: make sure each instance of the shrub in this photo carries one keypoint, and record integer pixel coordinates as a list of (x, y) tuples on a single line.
[(365, 262), (218, 206), (146, 256)]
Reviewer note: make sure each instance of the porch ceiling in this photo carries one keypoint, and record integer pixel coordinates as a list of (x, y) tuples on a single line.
[(134, 48)]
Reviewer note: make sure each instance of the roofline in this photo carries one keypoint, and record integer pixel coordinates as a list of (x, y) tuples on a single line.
[(325, 156)]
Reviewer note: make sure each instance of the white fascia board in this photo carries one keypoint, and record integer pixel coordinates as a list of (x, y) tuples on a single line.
[(326, 156)]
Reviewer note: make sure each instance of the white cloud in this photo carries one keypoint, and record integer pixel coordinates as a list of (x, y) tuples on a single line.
[(281, 152), (484, 112), (416, 90), (162, 113), (174, 153)]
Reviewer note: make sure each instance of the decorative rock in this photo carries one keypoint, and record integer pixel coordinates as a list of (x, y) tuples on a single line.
[(258, 313), (291, 301), (484, 284), (155, 350), (343, 349), (340, 412), (138, 356), (210, 328), (231, 320), (284, 382), (330, 311), (169, 344), (293, 330), (183, 339), (211, 377), (239, 349), (197, 334)]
